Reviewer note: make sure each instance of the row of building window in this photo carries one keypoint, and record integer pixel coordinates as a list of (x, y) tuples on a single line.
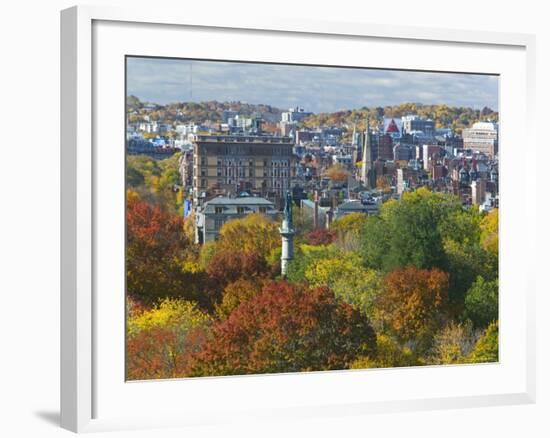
[(276, 184), (274, 163), (242, 173), (240, 210)]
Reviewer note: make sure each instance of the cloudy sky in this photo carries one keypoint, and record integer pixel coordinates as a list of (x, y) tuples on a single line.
[(317, 89)]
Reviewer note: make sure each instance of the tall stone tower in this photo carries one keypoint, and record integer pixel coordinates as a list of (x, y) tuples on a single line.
[(287, 235)]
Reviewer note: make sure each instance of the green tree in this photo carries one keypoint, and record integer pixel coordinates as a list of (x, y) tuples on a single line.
[(134, 178), (408, 232), (486, 348), (481, 302), (428, 230)]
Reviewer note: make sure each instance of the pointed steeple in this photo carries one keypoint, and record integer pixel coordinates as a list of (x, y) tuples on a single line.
[(392, 127), (366, 167)]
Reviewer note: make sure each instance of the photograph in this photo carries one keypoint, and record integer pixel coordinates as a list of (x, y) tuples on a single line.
[(290, 218), (244, 220)]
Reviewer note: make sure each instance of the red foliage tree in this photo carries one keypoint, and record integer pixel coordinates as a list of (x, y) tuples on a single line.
[(285, 328), (156, 247), (228, 266), (320, 236)]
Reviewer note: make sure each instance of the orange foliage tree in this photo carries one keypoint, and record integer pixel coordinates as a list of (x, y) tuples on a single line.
[(158, 353), (337, 173), (413, 303)]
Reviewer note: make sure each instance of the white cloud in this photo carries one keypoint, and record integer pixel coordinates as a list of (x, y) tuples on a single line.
[(316, 88)]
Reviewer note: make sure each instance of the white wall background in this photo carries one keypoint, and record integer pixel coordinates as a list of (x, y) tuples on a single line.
[(29, 217)]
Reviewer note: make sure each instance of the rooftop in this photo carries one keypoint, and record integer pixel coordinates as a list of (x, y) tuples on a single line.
[(392, 127), (485, 125), (242, 200), (242, 139)]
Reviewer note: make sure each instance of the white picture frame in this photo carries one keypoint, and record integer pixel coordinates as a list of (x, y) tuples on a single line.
[(81, 334)]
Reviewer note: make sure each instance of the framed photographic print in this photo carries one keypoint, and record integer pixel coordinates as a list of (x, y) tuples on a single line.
[(282, 219)]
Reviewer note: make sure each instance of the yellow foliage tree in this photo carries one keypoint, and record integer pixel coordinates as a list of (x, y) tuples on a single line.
[(160, 338), (489, 232), (389, 354), (254, 233), (350, 223), (174, 314), (349, 281), (348, 230), (453, 344), (486, 348)]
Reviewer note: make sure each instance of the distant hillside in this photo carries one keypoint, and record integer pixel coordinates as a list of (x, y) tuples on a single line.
[(200, 111), (444, 116), (456, 118)]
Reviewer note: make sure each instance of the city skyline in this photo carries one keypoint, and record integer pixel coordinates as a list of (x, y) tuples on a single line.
[(316, 88)]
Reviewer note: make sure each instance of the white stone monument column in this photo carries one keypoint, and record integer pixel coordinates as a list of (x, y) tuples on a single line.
[(287, 236)]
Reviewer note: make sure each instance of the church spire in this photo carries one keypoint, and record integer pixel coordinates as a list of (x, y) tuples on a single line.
[(366, 168)]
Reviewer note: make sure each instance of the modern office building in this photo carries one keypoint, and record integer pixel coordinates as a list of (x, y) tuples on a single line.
[(296, 114), (482, 137), (229, 114), (414, 123)]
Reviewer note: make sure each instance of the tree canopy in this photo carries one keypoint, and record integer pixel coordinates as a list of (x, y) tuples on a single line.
[(157, 250), (414, 303), (285, 328)]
